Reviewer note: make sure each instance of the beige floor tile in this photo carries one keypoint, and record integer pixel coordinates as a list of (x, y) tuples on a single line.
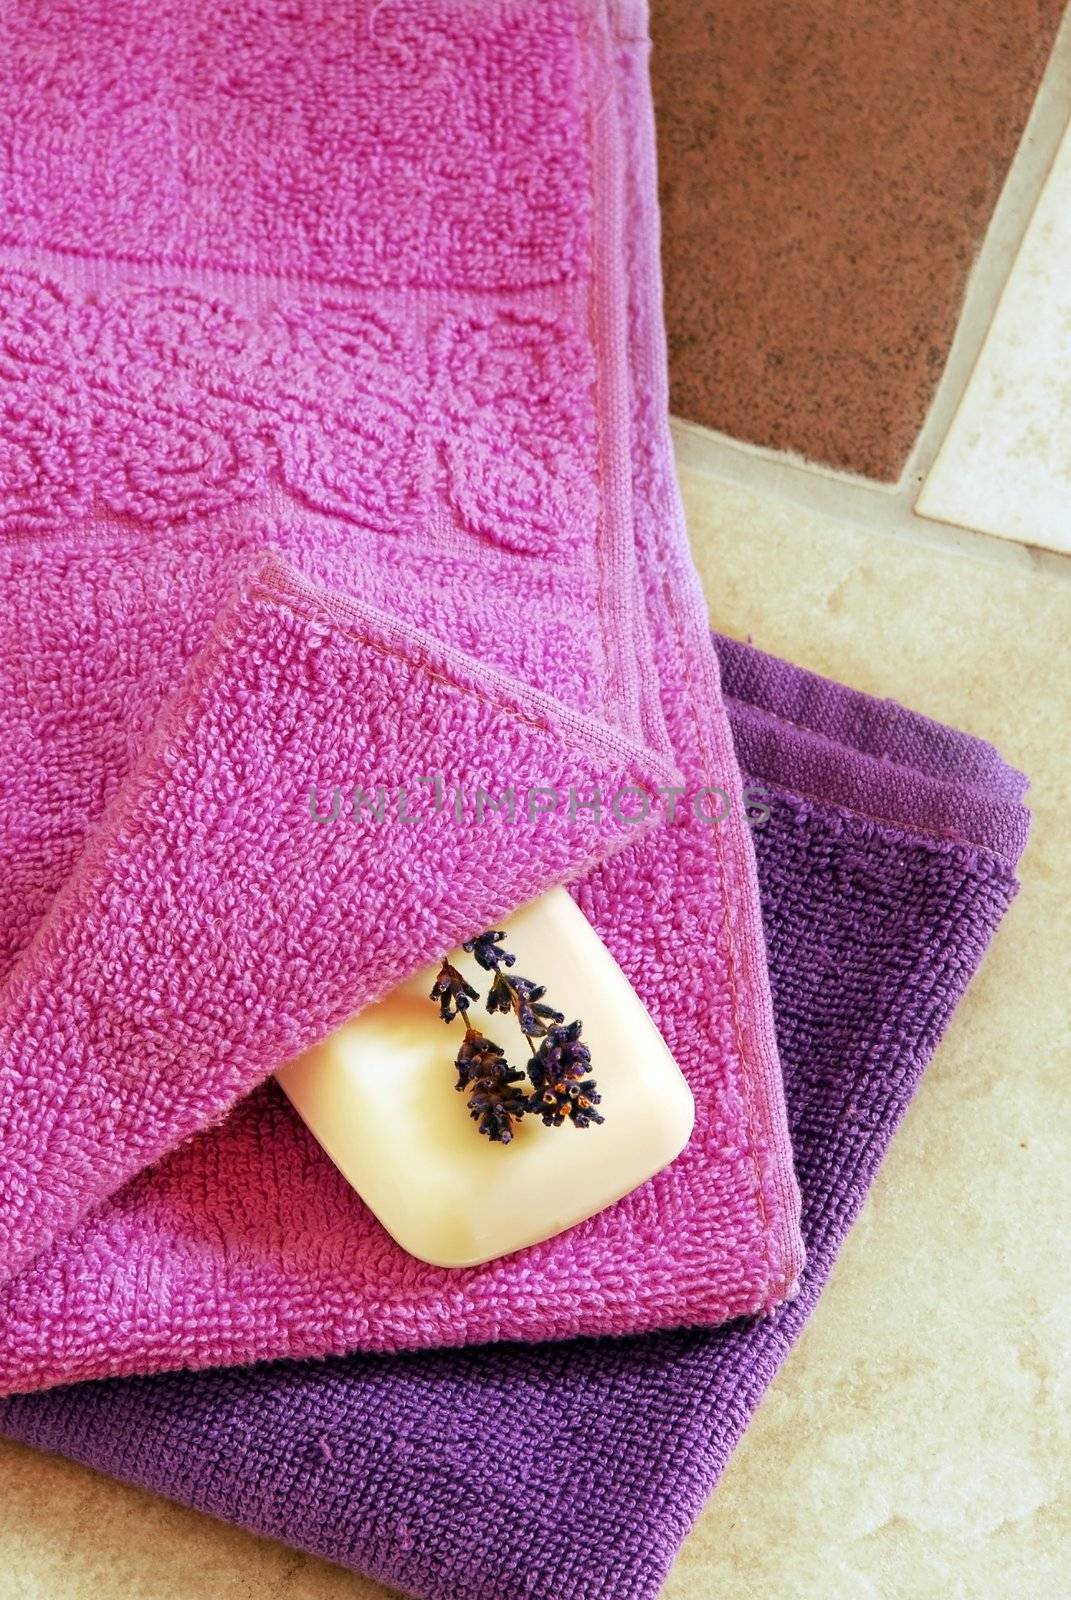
[(67, 1533), (915, 1443), (1005, 465)]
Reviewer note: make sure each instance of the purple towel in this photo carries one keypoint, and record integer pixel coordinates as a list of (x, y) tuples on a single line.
[(573, 1471)]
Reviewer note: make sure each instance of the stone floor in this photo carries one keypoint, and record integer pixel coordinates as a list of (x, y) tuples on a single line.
[(913, 1445)]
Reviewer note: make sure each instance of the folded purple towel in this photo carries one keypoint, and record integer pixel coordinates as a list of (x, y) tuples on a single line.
[(573, 1471)]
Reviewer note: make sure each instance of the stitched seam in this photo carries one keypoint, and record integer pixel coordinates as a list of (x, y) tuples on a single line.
[(701, 934), (588, 862), (848, 744), (548, 729), (188, 260), (897, 824), (599, 387), (730, 948), (804, 727), (587, 44)]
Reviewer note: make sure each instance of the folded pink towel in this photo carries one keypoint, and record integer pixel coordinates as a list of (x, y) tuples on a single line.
[(411, 1467), (374, 286)]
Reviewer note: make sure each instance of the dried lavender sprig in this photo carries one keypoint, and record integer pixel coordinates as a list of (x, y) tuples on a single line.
[(452, 992), (484, 948), (495, 1101), (523, 998), (560, 1060), (560, 1088)]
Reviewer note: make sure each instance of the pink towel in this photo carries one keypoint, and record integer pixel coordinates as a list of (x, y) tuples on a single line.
[(334, 454), (411, 1467)]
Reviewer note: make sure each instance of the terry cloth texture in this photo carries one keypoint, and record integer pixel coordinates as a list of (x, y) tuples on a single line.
[(333, 422), (881, 886)]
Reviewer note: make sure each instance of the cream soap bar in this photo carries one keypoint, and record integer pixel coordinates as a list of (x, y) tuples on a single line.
[(446, 1194)]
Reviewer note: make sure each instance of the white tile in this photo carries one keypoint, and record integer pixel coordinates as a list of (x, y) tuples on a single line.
[(1005, 465)]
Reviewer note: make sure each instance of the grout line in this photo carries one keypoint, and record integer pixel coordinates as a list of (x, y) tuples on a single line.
[(1031, 165), (1050, 563), (889, 509), (839, 498)]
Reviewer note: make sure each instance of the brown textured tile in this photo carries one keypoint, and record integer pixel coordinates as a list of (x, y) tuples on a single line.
[(828, 171)]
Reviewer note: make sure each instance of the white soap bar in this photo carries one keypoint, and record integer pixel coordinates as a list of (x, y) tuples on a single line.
[(379, 1097)]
